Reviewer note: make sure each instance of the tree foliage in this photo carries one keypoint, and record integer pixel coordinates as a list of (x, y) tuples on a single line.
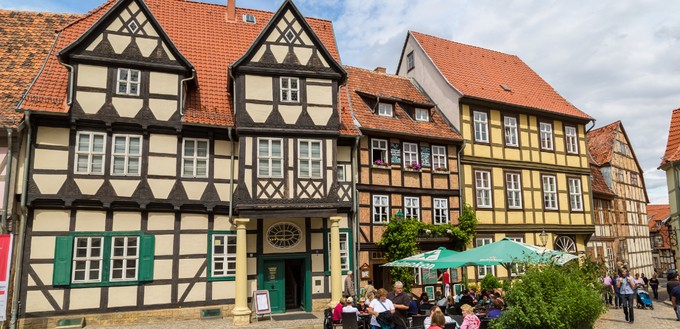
[(490, 282)]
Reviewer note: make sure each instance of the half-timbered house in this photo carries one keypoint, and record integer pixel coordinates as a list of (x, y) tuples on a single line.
[(670, 164), (181, 155), (659, 225)]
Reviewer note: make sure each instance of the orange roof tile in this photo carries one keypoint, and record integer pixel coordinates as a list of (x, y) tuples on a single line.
[(202, 34), (601, 142), (672, 153), (599, 184), (25, 40), (657, 212), (393, 87), (479, 73)]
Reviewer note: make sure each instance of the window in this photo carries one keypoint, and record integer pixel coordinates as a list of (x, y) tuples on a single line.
[(481, 127), (546, 136), (290, 90), (90, 153), (340, 173), (571, 139), (518, 269), (379, 151), (439, 158), (127, 152), (410, 155), (619, 175), (410, 61), (483, 188), (441, 211), (195, 158), (309, 159), (249, 18), (223, 255), (128, 82), (422, 115), (513, 186), (103, 258), (411, 207), (269, 157), (385, 109), (510, 129), (344, 251), (482, 271), (575, 197), (634, 179), (549, 192), (381, 209)]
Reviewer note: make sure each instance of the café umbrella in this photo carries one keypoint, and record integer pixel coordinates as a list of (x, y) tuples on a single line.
[(426, 260)]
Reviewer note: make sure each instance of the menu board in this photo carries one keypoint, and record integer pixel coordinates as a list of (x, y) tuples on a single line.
[(395, 153), (425, 156), (429, 276)]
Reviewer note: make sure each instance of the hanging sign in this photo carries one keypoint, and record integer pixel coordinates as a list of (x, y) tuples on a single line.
[(425, 156), (395, 153)]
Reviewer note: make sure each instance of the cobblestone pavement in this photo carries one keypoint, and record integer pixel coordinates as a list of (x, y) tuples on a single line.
[(661, 317), (227, 322)]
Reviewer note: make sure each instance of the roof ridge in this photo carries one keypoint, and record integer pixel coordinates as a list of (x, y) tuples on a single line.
[(374, 72), (244, 8), (465, 44)]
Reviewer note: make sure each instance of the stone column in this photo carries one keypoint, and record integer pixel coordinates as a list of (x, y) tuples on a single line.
[(336, 270), (241, 310)]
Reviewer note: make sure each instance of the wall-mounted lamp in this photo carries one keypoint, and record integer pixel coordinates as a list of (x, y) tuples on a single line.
[(544, 238)]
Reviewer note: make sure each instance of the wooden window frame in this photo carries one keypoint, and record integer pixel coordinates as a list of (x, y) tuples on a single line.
[(486, 125), (126, 155), (290, 90), (505, 126), (309, 159), (437, 219), (270, 158), (404, 152), (437, 158), (507, 191), (477, 189), (129, 82), (579, 194), (567, 144), (384, 106), (195, 158), (421, 110), (384, 152), (386, 207), (227, 256), (556, 192), (410, 61), (552, 136), (90, 153), (417, 207)]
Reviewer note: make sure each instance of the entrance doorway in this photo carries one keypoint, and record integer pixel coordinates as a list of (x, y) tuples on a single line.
[(295, 284), (287, 280), (381, 277)]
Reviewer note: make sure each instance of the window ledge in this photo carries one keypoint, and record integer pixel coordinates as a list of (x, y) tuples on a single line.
[(412, 170), (441, 172), (375, 166)]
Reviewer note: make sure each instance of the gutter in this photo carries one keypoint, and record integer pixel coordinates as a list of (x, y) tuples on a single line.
[(69, 95), (8, 174), (181, 91), (16, 285), (355, 209)]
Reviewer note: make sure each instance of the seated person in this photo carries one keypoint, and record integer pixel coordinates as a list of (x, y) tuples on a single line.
[(467, 299), (441, 300), (484, 302), (413, 306), (337, 311), (433, 310), (425, 304), (349, 308), (495, 310), (361, 305)]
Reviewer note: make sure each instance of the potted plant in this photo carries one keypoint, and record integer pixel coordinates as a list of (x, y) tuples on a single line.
[(441, 170), (380, 163), (414, 166)]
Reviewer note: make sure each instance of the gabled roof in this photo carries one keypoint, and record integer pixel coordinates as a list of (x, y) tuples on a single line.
[(672, 153), (201, 33), (481, 73), (599, 184), (25, 40), (657, 213), (601, 142), (396, 89)]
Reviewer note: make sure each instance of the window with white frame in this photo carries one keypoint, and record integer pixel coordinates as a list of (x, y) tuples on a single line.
[(634, 179), (128, 82), (546, 136), (571, 138), (344, 251), (290, 89), (269, 157), (483, 188), (410, 61), (439, 158), (309, 159), (441, 211), (381, 209), (481, 124), (510, 130), (379, 151), (385, 109), (124, 258), (126, 155), (482, 271), (195, 158), (422, 115), (575, 194), (549, 192), (340, 172), (87, 259), (410, 154), (411, 207), (518, 269), (90, 150), (223, 247), (513, 187)]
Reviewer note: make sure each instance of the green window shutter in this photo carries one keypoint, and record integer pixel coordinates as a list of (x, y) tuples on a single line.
[(62, 261), (146, 255)]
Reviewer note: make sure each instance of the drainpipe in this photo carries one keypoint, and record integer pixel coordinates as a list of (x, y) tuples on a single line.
[(355, 210), (71, 72), (231, 181), (181, 91), (22, 225), (461, 203), (8, 174)]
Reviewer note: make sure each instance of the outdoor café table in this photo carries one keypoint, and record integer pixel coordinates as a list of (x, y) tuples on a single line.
[(365, 317)]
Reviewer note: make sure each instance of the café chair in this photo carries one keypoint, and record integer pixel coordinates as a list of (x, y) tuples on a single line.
[(349, 321), (418, 321)]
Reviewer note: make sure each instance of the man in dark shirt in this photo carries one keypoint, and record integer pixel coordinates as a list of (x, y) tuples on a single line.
[(672, 283), (401, 302), (675, 299)]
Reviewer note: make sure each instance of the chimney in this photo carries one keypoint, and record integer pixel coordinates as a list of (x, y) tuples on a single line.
[(380, 70), (231, 11)]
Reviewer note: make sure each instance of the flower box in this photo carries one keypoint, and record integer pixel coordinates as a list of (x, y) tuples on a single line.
[(412, 170), (375, 166), (440, 171)]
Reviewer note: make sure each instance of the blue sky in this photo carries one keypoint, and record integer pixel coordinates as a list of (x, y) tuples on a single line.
[(615, 60)]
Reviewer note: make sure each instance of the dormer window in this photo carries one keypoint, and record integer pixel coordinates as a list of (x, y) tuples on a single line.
[(128, 82), (290, 90), (422, 115), (249, 18), (385, 109)]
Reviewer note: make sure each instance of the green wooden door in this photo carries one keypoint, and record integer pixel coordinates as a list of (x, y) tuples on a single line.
[(274, 281)]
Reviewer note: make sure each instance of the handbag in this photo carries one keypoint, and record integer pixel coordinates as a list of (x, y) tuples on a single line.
[(385, 319)]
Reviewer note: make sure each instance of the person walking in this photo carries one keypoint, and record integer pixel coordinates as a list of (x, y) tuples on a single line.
[(626, 285), (672, 283), (349, 286), (401, 301), (617, 294), (654, 283), (608, 291), (675, 299), (639, 284)]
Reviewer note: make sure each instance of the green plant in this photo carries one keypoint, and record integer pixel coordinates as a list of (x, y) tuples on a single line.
[(490, 282), (551, 296)]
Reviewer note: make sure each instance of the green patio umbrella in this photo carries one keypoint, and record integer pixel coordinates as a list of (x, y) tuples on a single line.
[(427, 260)]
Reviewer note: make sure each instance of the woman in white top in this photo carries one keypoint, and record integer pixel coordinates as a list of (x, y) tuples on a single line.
[(378, 305)]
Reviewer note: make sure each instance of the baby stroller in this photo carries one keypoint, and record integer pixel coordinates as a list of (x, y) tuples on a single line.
[(643, 300)]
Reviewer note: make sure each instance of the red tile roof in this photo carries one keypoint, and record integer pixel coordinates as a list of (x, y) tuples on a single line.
[(201, 33), (672, 153), (396, 88), (601, 142), (657, 212), (599, 184), (25, 40), (479, 73)]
